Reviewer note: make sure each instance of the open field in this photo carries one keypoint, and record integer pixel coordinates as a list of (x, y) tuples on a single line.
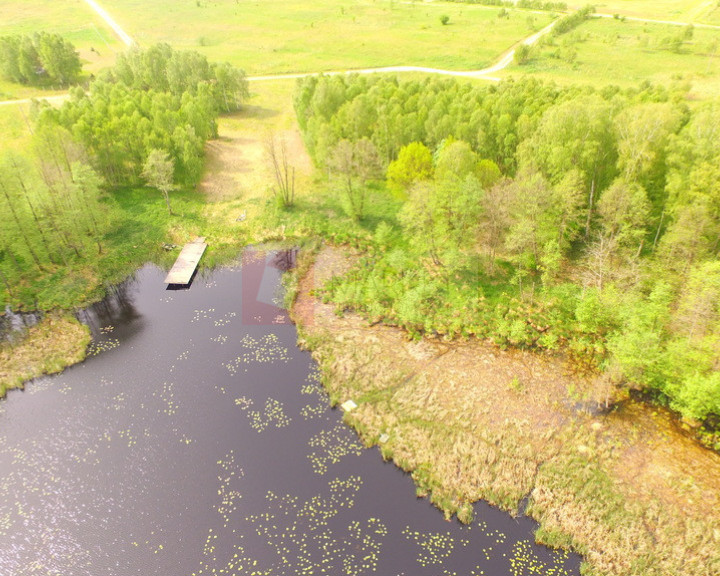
[(712, 15), (298, 36), (609, 51), (74, 19), (682, 10), (11, 91)]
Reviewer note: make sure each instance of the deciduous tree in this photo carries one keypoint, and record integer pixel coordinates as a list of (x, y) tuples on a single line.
[(158, 172)]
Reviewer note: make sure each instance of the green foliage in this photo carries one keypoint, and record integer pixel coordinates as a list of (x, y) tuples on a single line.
[(158, 173), (674, 43), (40, 59), (162, 69), (540, 217), (575, 134), (699, 395), (455, 160), (54, 215), (440, 218), (153, 99), (118, 126), (355, 164), (523, 53), (572, 21), (62, 237), (637, 348), (444, 19), (413, 164)]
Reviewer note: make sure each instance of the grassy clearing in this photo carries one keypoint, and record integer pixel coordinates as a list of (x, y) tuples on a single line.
[(298, 36), (627, 489), (607, 51), (59, 340), (12, 91), (75, 20)]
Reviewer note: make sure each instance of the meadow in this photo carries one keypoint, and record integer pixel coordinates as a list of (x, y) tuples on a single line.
[(681, 10), (712, 16), (611, 51), (297, 36)]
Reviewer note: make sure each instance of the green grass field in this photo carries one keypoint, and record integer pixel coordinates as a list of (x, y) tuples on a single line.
[(607, 51), (712, 15), (267, 37), (682, 10)]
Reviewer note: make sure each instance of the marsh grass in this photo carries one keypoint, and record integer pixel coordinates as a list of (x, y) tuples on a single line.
[(56, 342), (464, 434)]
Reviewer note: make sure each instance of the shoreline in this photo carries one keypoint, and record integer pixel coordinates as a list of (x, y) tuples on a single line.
[(469, 421), (626, 489), (56, 342)]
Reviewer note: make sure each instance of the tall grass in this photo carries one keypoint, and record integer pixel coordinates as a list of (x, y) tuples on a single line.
[(59, 340)]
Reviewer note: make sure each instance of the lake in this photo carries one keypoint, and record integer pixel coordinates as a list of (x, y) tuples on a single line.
[(196, 439)]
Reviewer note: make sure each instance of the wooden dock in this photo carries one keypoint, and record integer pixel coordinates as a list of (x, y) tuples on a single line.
[(186, 263)]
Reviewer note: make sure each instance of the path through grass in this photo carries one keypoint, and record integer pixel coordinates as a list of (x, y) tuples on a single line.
[(299, 36)]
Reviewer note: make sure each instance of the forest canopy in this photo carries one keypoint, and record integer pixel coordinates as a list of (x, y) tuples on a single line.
[(556, 218), (40, 59)]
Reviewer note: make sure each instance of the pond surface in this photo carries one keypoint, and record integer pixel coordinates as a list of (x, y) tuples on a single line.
[(196, 440)]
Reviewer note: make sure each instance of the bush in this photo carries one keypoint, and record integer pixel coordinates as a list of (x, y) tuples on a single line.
[(522, 54)]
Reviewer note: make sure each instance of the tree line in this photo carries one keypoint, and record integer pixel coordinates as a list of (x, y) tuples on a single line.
[(573, 218), (39, 59), (144, 122), (153, 99), (526, 4)]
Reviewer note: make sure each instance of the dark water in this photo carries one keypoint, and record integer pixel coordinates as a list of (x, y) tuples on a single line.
[(13, 325), (196, 440)]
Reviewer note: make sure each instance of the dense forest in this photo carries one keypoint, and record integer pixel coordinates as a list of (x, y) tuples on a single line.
[(144, 122), (565, 219), (40, 59)]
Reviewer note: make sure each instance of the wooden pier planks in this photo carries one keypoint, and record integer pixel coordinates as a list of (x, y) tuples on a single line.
[(186, 262)]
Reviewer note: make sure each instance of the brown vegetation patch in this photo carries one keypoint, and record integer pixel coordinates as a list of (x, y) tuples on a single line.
[(470, 421), (658, 460), (56, 342)]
